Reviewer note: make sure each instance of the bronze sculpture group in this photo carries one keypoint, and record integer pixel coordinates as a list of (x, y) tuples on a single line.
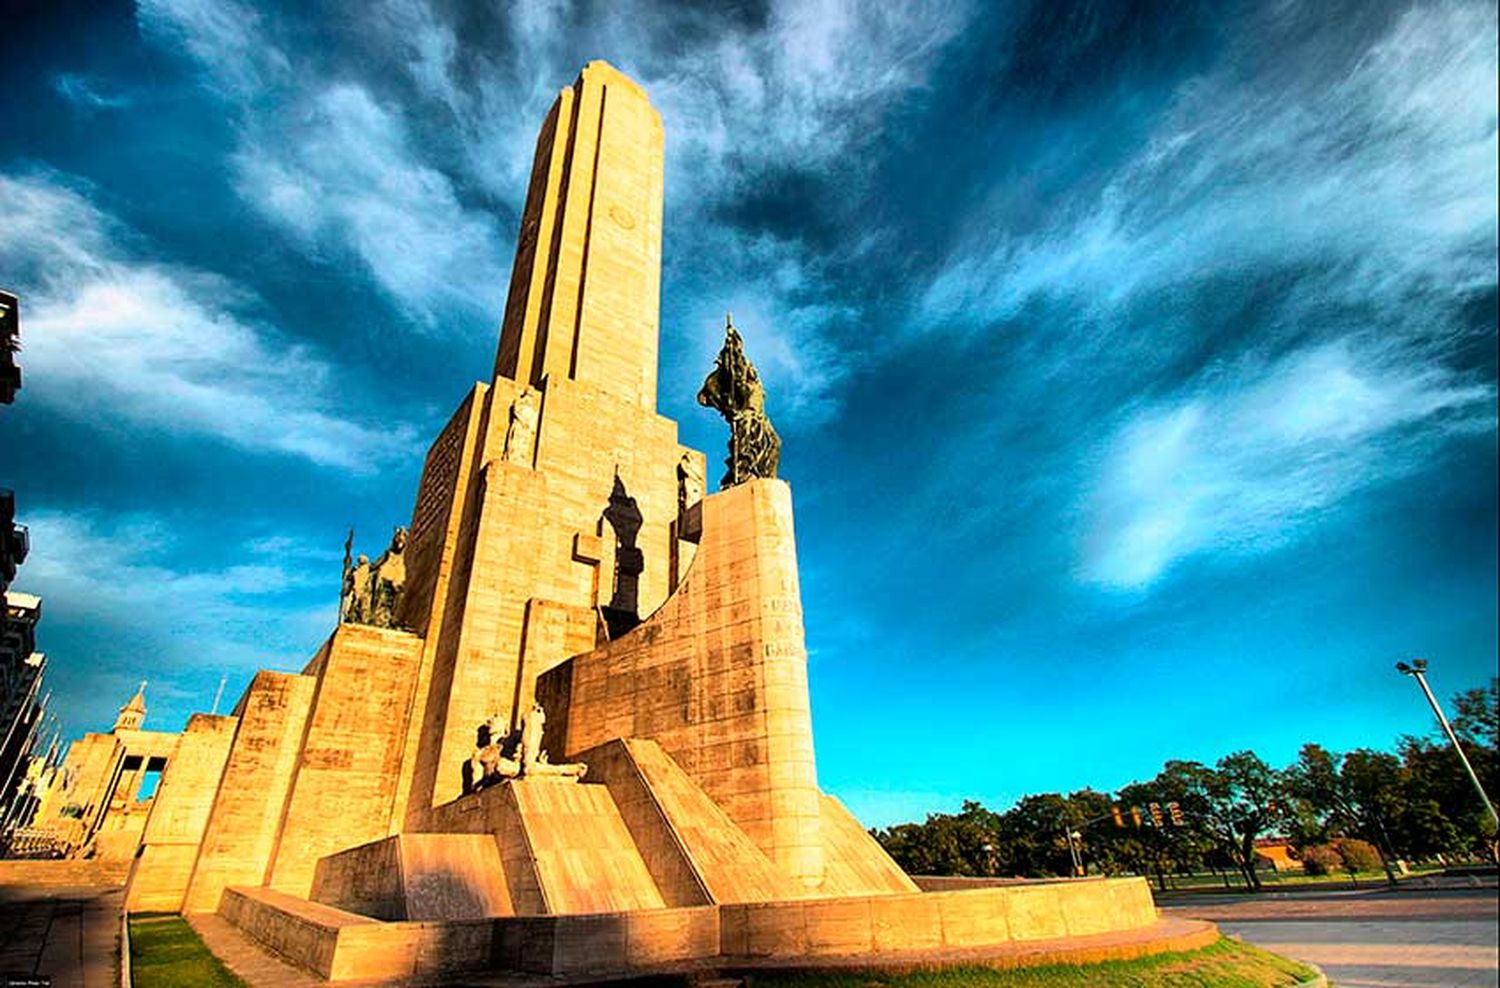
[(372, 593)]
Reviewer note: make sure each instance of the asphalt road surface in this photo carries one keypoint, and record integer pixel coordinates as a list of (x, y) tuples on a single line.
[(1446, 938)]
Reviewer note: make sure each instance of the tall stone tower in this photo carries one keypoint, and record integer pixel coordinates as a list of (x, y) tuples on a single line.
[(585, 289), (545, 521)]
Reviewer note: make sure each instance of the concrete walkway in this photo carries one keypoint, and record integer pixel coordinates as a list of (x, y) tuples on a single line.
[(1374, 938), (68, 933)]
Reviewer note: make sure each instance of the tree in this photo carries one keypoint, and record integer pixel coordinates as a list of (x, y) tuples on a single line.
[(1230, 805), (962, 843), (1032, 836), (1435, 775), (1374, 784), (1249, 796), (1358, 794), (1477, 721)]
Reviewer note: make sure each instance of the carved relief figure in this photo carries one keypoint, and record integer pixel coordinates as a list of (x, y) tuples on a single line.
[(520, 436), (734, 390)]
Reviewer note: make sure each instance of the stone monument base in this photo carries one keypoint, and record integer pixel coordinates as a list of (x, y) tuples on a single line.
[(697, 838), (638, 871), (1083, 920)]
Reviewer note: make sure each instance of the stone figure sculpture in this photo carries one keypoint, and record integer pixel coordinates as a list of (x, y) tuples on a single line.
[(388, 582), (489, 764), (499, 756), (532, 727), (689, 483), (534, 761), (520, 436), (356, 606), (372, 593), (734, 390)]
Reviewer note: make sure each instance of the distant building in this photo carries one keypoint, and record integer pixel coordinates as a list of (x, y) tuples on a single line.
[(10, 345), (1276, 854), (108, 784), (21, 671), (15, 541)]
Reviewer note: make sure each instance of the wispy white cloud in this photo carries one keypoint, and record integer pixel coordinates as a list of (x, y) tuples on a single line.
[(130, 573), (341, 174), (86, 95), (810, 91), (336, 168), (228, 40), (1367, 196), (124, 579), (1242, 463), (1385, 177), (110, 336)]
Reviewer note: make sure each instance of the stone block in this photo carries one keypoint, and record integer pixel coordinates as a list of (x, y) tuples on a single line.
[(906, 922), (773, 929), (974, 918), (663, 936), (838, 926), (1035, 911)]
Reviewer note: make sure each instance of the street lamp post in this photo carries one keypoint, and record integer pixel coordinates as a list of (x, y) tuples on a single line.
[(1417, 670), (1074, 838)]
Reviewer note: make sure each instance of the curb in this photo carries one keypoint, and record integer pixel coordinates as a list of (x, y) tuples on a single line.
[(1319, 981), (126, 981)]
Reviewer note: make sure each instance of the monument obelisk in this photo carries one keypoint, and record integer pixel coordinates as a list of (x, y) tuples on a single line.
[(585, 289), (575, 385)]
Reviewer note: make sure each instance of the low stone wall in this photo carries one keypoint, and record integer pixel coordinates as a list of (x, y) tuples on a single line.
[(605, 943), (934, 920), (341, 945), (416, 877), (953, 883), (90, 872)]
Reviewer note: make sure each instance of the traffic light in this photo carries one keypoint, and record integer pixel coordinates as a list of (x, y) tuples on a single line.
[(1119, 819), (1271, 806), (1155, 809), (1176, 812), (1135, 816)]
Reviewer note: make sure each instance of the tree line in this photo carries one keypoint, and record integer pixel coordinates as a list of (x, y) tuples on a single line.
[(1413, 804)]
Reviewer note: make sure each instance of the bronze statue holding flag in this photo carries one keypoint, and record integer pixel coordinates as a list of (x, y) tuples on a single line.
[(735, 391)]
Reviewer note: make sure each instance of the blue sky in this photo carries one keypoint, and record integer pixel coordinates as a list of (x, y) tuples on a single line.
[(1135, 362)]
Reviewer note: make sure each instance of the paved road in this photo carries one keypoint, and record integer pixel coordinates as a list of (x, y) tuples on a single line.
[(69, 934), (1370, 939)]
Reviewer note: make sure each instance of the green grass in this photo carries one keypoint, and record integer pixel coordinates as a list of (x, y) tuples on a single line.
[(1226, 964), (1271, 880), (166, 953)]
